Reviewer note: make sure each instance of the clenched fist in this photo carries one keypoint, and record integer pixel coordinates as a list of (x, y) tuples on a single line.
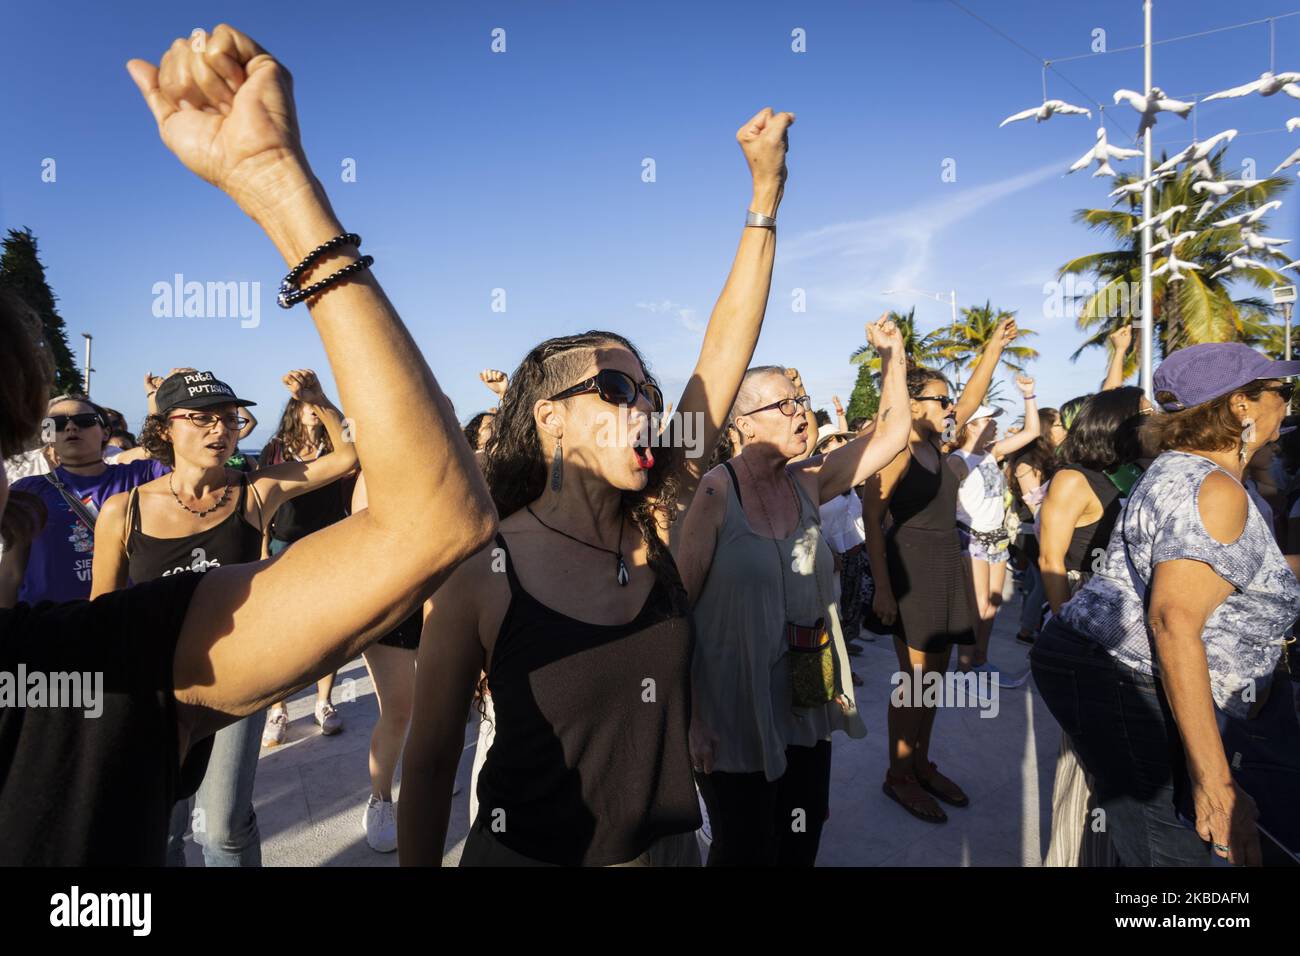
[(304, 386), (764, 140), (224, 106)]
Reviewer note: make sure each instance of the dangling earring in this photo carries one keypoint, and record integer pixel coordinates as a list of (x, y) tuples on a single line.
[(1247, 436), (557, 467)]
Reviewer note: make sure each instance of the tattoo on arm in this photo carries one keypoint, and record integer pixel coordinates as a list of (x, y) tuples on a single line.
[(708, 491)]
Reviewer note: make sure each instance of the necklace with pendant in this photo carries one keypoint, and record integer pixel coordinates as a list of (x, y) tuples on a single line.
[(620, 567)]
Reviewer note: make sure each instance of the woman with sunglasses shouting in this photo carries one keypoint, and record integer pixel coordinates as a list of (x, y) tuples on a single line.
[(771, 675), (55, 565), (205, 515), (923, 590), (576, 612)]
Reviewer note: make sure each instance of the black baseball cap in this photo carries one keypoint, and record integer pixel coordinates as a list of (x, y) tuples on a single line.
[(195, 390)]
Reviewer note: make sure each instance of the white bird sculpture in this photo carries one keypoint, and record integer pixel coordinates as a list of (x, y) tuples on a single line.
[(1254, 242), (1160, 218), (1045, 112), (1237, 262), (1138, 185), (1267, 84), (1196, 152), (1172, 265), (1102, 153), (1150, 105), (1220, 187), (1201, 169), (1289, 161), (1292, 123), (1291, 265), (1173, 242), (1250, 215)]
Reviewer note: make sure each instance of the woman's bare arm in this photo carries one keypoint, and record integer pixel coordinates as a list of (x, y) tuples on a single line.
[(450, 659), (1068, 497), (972, 396), (737, 317), (352, 582), (108, 570)]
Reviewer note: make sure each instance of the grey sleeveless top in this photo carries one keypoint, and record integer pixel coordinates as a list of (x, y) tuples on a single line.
[(741, 672)]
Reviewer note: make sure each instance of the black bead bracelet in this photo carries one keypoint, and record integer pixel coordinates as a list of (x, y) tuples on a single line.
[(290, 295)]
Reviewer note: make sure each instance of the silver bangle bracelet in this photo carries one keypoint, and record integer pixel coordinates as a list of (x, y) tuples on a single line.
[(758, 219)]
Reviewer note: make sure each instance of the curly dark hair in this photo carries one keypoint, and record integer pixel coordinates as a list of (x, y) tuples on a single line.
[(154, 440), (515, 468), (472, 427), (1106, 432), (1210, 426)]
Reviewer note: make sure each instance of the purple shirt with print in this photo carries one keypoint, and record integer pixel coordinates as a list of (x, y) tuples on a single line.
[(58, 568)]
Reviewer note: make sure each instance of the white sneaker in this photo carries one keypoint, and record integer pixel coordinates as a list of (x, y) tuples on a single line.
[(277, 726), (328, 718), (380, 825)]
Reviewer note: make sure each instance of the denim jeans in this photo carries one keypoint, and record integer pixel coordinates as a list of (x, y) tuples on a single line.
[(224, 823), (1031, 612), (1126, 738)]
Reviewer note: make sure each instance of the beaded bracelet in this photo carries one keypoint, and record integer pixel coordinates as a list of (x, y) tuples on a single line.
[(290, 295)]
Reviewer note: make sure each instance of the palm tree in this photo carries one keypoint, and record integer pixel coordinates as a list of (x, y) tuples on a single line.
[(919, 349), (1197, 308), (963, 342)]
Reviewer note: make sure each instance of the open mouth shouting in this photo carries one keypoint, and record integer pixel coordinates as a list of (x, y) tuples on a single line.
[(644, 456)]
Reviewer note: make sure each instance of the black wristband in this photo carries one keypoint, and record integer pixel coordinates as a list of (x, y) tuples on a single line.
[(290, 295)]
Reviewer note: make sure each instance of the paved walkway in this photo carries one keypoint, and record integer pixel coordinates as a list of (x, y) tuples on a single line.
[(311, 789)]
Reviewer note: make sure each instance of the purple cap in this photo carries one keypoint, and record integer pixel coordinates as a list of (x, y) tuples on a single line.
[(1202, 373)]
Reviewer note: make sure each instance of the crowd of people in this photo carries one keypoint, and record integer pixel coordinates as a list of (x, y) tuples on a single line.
[(654, 644)]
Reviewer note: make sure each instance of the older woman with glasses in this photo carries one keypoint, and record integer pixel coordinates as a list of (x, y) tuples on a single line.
[(771, 670), (1166, 669), (204, 515)]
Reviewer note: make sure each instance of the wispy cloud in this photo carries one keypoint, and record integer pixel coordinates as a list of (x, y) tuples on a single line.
[(687, 317), (845, 266)]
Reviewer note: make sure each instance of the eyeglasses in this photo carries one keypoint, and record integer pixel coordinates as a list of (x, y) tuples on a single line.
[(207, 420), (945, 402), (81, 420), (616, 388), (788, 406)]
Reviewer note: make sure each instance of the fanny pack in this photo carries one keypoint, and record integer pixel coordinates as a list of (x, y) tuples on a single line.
[(990, 539)]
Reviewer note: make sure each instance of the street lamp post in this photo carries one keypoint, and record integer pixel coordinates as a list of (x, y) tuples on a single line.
[(1147, 324), (950, 298), (1284, 295), (85, 374)]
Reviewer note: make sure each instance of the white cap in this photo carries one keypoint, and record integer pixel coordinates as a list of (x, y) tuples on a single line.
[(985, 411)]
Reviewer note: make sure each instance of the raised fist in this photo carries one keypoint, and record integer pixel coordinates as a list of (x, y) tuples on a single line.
[(1025, 384), (304, 386), (495, 380), (885, 337), (764, 141), (1121, 338), (1005, 333), (224, 106)]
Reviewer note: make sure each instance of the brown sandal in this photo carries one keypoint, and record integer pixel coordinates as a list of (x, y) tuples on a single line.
[(943, 788), (925, 809)]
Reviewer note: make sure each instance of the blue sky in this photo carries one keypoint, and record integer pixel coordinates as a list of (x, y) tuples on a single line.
[(522, 171)]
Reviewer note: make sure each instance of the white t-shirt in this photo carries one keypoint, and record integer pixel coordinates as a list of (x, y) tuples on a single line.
[(981, 499), (842, 522)]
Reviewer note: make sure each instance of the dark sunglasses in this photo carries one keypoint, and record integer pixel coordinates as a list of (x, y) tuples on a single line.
[(81, 420), (1285, 390), (945, 402), (616, 388), (788, 406)]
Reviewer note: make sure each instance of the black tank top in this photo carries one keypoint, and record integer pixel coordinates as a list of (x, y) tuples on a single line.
[(234, 541), (590, 764), (1091, 538), (925, 500)]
